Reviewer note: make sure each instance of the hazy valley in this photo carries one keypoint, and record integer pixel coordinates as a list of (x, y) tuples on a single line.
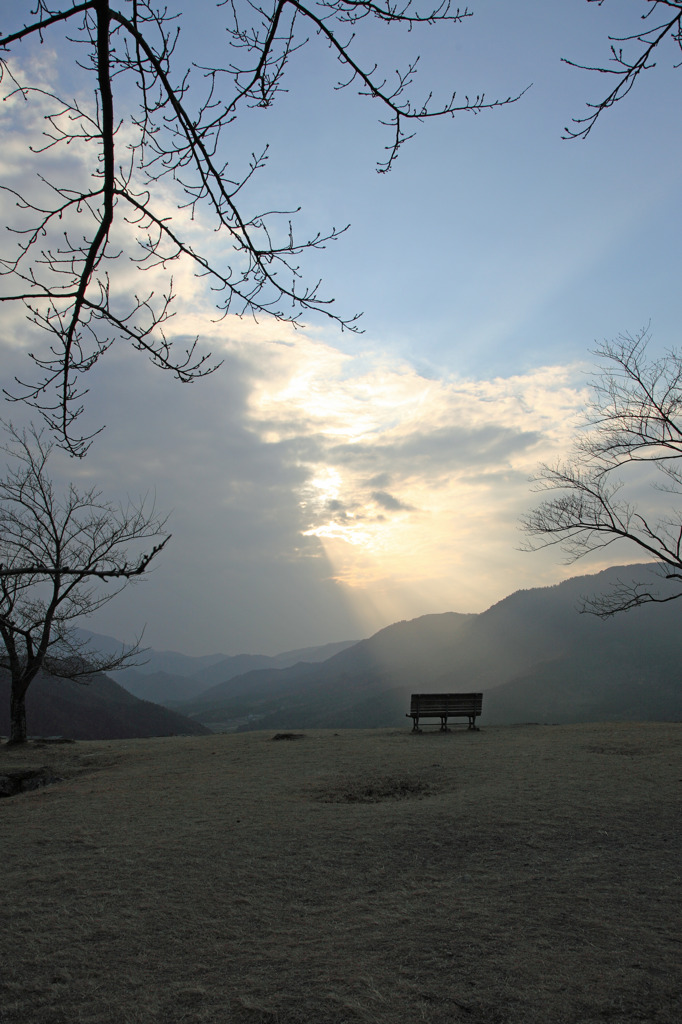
[(534, 655)]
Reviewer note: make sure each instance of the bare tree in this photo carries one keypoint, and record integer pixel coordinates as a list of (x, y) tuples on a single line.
[(631, 55), (66, 233), (634, 430), (62, 557)]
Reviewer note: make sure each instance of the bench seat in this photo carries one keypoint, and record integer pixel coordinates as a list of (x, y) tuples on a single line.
[(444, 706)]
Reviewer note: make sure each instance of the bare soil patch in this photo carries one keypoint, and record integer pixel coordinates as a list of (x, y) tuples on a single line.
[(368, 789), (507, 876)]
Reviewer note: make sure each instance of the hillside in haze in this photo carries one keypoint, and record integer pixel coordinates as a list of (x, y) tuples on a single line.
[(98, 710), (169, 677), (535, 656)]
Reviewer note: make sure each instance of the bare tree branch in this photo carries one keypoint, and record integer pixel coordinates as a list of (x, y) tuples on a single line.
[(68, 241), (634, 424), (56, 552), (630, 56)]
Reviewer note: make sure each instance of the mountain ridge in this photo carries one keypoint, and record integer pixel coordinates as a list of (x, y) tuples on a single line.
[(531, 653), (97, 710), (509, 651)]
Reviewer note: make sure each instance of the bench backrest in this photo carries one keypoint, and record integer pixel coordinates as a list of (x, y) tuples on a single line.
[(446, 703)]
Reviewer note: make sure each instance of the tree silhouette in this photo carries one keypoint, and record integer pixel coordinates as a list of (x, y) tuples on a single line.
[(631, 55), (149, 120), (59, 556), (634, 426)]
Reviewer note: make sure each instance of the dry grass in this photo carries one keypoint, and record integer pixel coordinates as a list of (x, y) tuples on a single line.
[(513, 876)]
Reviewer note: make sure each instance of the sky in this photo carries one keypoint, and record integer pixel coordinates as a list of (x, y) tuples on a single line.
[(323, 484)]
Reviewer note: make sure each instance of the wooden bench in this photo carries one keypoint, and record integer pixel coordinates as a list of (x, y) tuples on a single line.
[(444, 706)]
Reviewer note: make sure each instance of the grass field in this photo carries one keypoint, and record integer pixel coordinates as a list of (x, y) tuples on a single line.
[(525, 875)]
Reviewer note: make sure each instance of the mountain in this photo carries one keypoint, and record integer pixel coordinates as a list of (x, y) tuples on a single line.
[(388, 658), (152, 661), (168, 677), (627, 674), (240, 664), (537, 657), (163, 677), (160, 687), (98, 710)]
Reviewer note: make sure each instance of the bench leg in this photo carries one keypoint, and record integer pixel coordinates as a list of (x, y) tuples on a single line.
[(415, 723), (444, 723)]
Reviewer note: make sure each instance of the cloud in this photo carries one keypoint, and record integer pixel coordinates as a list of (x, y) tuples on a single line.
[(438, 452), (406, 480), (391, 504), (317, 494)]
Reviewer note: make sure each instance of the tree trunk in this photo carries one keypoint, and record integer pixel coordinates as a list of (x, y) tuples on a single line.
[(17, 715)]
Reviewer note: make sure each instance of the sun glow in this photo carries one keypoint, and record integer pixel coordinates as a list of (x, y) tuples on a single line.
[(408, 479)]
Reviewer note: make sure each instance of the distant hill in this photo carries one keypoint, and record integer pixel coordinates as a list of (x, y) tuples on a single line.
[(240, 664), (160, 687), (535, 655), (611, 678), (98, 710), (168, 677), (173, 662), (335, 686)]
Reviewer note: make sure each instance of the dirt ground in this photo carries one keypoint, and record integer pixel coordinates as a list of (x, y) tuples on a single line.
[(508, 876)]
